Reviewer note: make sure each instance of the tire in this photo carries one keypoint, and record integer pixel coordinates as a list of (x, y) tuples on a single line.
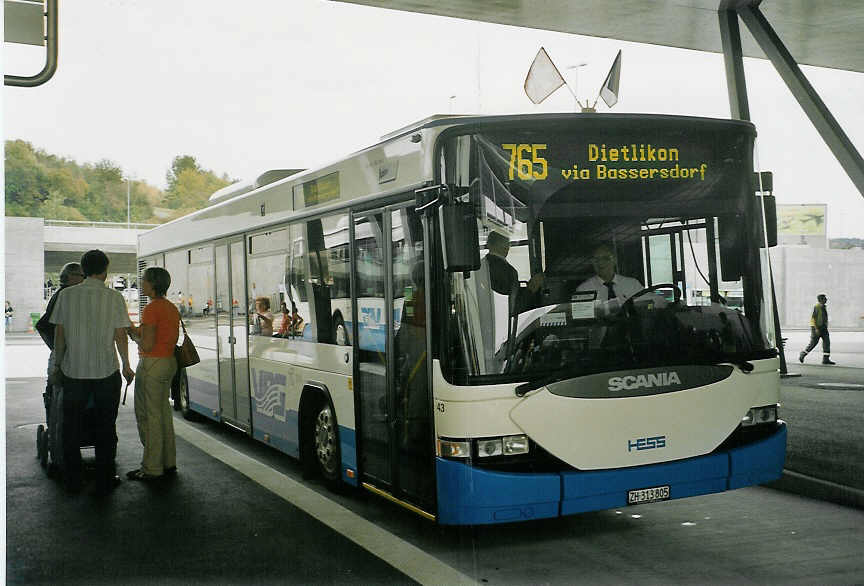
[(183, 396), (42, 446), (340, 332), (325, 444)]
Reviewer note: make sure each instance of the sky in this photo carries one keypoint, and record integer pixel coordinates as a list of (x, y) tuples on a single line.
[(299, 84)]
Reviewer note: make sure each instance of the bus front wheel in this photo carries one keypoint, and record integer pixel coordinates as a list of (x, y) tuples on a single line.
[(326, 438)]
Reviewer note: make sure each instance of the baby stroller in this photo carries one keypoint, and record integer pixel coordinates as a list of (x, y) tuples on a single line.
[(49, 440)]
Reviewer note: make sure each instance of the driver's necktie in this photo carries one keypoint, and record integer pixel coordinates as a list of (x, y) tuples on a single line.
[(610, 290)]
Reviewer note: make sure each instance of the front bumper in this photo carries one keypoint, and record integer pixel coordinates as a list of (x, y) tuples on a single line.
[(474, 496)]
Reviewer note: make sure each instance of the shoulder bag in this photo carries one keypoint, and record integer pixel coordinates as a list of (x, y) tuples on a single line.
[(185, 353)]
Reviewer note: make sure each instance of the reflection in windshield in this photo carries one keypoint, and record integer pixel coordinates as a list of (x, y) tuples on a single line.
[(573, 280)]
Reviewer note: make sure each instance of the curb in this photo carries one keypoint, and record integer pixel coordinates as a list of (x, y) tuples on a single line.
[(798, 483)]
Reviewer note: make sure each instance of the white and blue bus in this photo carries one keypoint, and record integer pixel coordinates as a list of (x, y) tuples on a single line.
[(473, 382)]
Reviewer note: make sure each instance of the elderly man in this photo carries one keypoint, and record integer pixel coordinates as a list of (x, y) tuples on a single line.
[(91, 320), (70, 275)]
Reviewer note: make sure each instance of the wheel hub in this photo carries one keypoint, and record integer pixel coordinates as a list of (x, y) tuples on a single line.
[(325, 438)]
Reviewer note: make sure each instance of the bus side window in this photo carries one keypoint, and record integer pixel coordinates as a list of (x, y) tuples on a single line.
[(328, 280), (337, 257), (295, 280)]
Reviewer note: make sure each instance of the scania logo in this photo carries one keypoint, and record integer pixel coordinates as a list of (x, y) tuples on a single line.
[(643, 381)]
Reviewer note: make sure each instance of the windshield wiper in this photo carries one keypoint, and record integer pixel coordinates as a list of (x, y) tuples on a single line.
[(524, 388)]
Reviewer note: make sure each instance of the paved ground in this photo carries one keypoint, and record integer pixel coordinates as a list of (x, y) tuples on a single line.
[(210, 524), (215, 524)]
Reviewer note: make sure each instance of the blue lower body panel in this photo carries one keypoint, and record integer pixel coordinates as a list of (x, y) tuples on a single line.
[(473, 496)]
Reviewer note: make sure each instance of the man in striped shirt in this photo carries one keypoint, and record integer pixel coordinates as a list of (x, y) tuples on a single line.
[(91, 320)]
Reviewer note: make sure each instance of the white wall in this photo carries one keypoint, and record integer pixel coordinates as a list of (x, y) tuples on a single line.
[(801, 273), (25, 260)]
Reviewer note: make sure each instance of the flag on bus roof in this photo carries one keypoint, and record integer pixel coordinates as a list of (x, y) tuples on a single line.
[(543, 78), (609, 91)]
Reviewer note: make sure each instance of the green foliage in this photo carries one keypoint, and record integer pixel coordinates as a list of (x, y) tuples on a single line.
[(190, 186), (39, 184)]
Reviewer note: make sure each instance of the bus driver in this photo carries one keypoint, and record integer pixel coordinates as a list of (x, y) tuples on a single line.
[(612, 289)]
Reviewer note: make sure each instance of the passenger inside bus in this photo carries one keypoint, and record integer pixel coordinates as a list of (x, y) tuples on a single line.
[(297, 324), (263, 317), (285, 324), (503, 278)]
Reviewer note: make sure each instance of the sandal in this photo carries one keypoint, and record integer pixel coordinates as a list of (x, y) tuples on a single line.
[(141, 475)]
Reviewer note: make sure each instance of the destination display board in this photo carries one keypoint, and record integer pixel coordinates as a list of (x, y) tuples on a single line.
[(603, 161), (321, 190)]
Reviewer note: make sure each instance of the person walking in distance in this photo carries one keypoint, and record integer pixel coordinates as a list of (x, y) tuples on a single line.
[(819, 330), (156, 338), (90, 320)]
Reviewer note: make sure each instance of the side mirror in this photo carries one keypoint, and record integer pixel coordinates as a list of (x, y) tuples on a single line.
[(770, 204), (461, 248)]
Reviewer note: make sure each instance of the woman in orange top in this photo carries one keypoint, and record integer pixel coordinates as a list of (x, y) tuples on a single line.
[(156, 338)]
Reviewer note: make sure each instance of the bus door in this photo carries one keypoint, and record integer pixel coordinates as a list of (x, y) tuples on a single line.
[(231, 317), (391, 356)]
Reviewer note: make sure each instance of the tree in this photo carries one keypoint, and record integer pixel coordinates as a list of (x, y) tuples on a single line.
[(190, 186), (178, 165), (39, 184), (25, 180)]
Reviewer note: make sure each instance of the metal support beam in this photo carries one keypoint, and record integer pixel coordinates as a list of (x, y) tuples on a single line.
[(739, 106), (810, 102), (733, 59)]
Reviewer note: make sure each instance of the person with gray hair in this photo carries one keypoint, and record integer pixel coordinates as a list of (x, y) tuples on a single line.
[(71, 274)]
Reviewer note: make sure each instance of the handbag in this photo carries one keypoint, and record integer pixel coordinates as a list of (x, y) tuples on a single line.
[(185, 353)]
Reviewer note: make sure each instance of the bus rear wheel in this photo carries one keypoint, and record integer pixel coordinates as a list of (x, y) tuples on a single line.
[(325, 437)]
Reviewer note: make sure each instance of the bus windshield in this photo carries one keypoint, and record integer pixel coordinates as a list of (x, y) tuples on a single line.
[(608, 243)]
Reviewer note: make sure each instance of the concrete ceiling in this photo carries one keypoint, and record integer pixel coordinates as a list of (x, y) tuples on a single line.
[(825, 33)]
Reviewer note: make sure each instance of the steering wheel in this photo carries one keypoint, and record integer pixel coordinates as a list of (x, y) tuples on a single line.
[(653, 288)]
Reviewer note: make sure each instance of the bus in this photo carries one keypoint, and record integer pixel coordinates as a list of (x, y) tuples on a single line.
[(460, 353)]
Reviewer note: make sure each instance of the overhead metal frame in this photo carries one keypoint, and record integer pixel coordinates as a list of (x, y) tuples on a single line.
[(50, 59), (827, 126), (739, 106)]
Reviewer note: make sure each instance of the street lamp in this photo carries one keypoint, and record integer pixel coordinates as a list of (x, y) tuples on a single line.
[(128, 201)]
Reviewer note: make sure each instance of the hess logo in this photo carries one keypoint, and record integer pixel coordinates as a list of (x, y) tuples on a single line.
[(643, 381)]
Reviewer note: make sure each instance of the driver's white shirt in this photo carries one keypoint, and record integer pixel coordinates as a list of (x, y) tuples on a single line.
[(625, 287)]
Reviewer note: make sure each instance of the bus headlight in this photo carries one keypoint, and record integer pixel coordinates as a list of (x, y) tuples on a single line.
[(760, 415), (508, 445), (515, 444), (489, 447)]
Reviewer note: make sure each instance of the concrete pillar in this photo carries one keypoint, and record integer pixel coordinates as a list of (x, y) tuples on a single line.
[(25, 274)]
